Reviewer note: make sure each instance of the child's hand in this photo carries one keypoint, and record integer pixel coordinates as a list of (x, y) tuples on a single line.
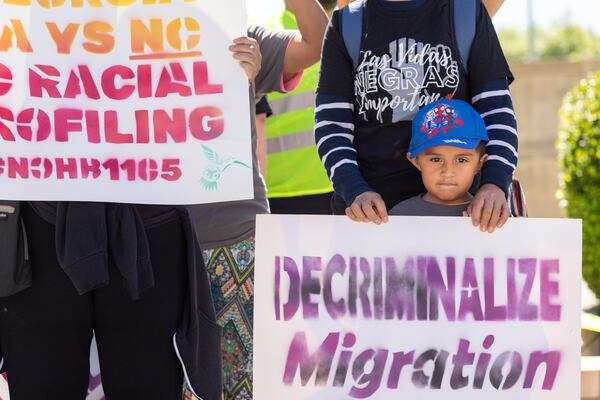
[(368, 207), (247, 51), (489, 208)]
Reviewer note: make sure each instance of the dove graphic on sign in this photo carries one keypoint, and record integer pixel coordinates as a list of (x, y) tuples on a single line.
[(218, 165)]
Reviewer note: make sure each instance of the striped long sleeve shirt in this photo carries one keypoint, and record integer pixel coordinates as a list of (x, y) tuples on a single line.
[(334, 134), (364, 115)]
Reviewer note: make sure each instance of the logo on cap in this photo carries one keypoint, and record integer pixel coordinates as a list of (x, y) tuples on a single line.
[(442, 118)]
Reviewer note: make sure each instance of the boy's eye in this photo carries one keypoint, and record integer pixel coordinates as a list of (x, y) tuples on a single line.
[(462, 160), (435, 159)]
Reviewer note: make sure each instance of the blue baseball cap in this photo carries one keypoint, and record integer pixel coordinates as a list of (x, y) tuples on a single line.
[(447, 123)]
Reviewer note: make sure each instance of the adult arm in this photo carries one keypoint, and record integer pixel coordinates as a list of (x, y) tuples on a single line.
[(493, 101), (489, 78), (273, 48), (304, 49), (334, 130)]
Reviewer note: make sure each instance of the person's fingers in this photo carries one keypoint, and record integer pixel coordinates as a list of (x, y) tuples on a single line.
[(245, 40), (246, 57), (475, 210), (248, 69), (247, 52), (370, 213), (351, 215), (242, 48), (469, 210), (357, 210), (486, 215), (252, 57), (245, 46), (465, 214), (381, 210), (504, 216), (495, 217)]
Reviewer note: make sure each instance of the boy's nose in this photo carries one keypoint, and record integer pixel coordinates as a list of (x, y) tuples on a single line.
[(447, 169)]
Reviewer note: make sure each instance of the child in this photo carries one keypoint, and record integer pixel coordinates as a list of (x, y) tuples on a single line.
[(448, 148)]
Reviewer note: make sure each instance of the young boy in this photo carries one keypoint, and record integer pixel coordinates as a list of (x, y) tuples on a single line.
[(448, 148)]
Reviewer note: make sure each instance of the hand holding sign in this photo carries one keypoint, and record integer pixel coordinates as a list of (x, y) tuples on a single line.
[(368, 207), (247, 51)]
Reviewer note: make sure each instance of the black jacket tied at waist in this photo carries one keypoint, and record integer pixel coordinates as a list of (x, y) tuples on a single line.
[(88, 236), (87, 233)]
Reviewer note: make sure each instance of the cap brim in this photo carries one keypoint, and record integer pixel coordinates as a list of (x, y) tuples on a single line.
[(443, 140)]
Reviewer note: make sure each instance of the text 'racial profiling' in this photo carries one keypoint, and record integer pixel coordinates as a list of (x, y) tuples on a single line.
[(164, 63)]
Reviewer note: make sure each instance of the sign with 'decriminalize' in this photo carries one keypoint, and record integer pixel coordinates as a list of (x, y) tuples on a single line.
[(419, 308)]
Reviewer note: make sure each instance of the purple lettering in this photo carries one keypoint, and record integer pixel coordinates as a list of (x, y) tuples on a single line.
[(298, 358), (469, 295), (438, 290), (336, 309), (291, 307), (492, 312), (369, 381), (527, 311), (310, 285), (549, 289), (552, 361), (516, 367), (460, 359)]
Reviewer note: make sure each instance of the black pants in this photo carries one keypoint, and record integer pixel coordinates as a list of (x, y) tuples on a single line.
[(319, 204), (46, 330)]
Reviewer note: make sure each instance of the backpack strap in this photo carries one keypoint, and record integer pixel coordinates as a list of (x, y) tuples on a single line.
[(351, 20), (516, 199), (465, 25)]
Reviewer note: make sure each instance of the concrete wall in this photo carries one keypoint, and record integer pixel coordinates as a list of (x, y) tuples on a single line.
[(537, 94)]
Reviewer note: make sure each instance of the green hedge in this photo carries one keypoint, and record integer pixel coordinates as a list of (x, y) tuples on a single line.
[(579, 154)]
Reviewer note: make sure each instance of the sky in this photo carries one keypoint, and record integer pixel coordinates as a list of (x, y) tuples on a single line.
[(513, 14)]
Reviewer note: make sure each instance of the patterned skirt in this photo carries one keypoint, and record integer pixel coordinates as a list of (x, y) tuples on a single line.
[(231, 275)]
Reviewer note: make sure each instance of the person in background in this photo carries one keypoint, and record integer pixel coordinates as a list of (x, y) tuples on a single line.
[(364, 112), (296, 180), (492, 5), (226, 230)]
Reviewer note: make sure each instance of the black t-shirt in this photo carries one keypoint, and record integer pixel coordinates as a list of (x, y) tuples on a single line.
[(409, 58), (263, 107)]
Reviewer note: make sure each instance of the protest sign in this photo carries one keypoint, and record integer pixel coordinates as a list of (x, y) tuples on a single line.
[(135, 101), (419, 308)]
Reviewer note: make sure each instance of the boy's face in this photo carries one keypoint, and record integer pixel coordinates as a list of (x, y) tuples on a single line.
[(448, 172)]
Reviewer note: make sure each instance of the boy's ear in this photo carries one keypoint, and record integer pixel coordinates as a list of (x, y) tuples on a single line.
[(482, 161), (413, 161)]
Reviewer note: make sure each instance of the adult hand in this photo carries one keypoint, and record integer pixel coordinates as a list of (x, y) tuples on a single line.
[(489, 208), (247, 51), (368, 207)]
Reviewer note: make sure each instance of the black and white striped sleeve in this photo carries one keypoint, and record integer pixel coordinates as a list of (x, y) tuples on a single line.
[(334, 135), (493, 101)]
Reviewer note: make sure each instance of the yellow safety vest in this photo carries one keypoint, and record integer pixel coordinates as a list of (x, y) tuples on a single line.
[(293, 164)]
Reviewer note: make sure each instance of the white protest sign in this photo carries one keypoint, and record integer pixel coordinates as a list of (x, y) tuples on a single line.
[(419, 308), (135, 101)]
